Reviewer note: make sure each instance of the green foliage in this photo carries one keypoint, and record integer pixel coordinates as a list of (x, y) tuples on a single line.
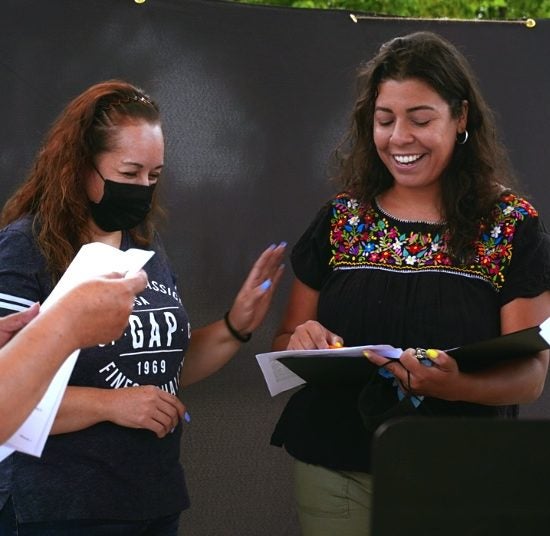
[(456, 9)]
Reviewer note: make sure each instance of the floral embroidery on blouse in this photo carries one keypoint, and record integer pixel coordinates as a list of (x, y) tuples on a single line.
[(363, 237)]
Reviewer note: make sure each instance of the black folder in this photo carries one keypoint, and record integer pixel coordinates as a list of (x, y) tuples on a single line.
[(326, 367), (519, 343), (330, 370)]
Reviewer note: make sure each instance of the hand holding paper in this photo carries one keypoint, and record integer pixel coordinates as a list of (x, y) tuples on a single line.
[(112, 296), (100, 303), (287, 369)]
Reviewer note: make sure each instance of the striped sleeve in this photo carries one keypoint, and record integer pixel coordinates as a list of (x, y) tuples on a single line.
[(11, 303), (23, 278)]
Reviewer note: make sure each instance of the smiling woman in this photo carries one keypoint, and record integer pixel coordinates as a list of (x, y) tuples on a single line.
[(111, 465), (415, 134), (427, 246)]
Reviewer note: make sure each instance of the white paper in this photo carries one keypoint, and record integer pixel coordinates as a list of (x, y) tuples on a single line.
[(92, 260), (279, 378), (5, 451)]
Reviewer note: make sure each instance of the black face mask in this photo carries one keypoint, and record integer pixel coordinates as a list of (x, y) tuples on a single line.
[(122, 206)]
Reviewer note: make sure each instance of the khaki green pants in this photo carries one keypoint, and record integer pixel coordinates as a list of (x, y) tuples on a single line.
[(332, 503)]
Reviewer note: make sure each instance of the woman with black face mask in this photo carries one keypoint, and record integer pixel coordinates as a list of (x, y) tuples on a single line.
[(111, 464)]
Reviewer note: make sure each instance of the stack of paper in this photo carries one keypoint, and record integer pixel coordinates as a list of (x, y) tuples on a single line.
[(279, 377)]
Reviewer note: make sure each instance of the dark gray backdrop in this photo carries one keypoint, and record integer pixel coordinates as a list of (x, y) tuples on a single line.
[(253, 99)]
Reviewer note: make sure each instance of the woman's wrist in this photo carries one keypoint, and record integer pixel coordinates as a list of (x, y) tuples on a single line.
[(234, 332)]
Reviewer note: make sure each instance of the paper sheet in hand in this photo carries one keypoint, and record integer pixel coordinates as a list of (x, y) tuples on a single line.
[(287, 369), (92, 260)]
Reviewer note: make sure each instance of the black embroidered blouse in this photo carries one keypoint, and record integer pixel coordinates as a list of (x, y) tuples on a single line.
[(387, 281)]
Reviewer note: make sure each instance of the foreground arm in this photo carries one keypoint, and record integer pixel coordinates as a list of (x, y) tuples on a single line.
[(92, 313), (516, 381)]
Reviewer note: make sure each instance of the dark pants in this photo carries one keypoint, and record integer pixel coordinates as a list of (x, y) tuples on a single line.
[(164, 526)]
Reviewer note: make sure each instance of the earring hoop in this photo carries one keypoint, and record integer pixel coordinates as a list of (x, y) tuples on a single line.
[(464, 140)]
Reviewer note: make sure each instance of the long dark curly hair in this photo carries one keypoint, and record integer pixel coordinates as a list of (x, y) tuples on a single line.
[(54, 192), (479, 170)]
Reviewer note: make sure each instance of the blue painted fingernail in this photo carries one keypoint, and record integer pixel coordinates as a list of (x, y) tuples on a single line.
[(187, 417), (265, 285), (283, 244)]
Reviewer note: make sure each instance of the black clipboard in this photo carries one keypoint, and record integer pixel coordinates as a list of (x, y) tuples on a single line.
[(519, 343), (326, 369)]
